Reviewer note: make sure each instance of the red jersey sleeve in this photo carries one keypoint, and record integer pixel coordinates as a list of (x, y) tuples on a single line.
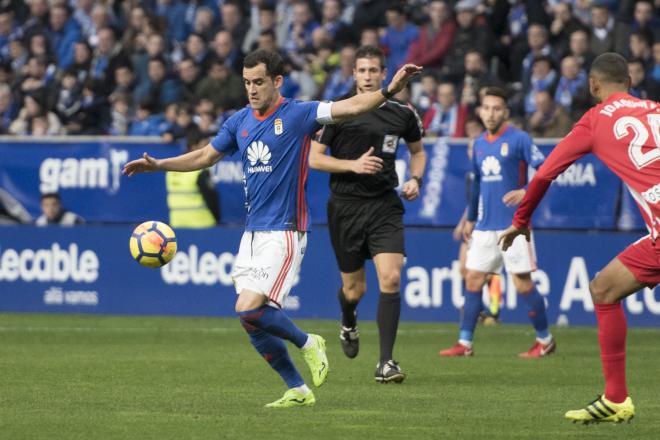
[(575, 145)]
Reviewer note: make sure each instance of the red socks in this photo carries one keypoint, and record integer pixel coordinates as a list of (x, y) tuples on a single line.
[(612, 338)]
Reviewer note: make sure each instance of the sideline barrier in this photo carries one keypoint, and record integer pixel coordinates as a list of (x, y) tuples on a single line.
[(89, 270), (87, 173)]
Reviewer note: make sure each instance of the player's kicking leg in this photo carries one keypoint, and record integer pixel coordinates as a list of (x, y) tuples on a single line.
[(258, 307), (267, 328), (354, 284), (609, 287), (388, 269)]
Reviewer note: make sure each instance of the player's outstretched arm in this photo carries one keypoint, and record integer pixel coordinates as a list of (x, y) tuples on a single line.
[(365, 164), (194, 160), (363, 102), (507, 237)]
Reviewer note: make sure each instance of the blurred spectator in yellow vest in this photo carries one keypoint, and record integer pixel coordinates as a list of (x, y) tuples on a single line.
[(191, 197)]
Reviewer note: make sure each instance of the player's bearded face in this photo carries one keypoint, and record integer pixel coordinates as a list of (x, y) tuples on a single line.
[(493, 113), (262, 90), (369, 74)]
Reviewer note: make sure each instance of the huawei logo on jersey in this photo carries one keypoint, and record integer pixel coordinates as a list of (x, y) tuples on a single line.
[(258, 152), (491, 169), (536, 154)]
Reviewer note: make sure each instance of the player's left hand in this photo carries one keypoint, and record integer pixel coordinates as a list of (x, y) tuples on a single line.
[(402, 77), (410, 190), (510, 234), (513, 198)]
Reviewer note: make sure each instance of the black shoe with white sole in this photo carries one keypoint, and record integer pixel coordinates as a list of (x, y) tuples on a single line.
[(389, 371)]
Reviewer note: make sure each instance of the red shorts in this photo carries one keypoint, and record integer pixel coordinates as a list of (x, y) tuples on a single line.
[(642, 258)]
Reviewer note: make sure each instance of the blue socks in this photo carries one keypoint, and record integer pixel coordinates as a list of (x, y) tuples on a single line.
[(275, 353), (536, 313), (471, 309), (275, 322), (267, 327)]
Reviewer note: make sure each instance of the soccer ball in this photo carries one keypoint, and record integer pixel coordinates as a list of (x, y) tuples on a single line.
[(153, 244)]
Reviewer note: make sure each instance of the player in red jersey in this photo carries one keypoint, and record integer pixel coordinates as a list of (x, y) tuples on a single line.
[(623, 132)]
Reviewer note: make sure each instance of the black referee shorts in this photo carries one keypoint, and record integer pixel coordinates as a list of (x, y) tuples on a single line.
[(365, 227)]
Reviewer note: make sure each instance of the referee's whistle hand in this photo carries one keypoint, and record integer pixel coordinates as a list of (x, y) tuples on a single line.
[(368, 163), (402, 76)]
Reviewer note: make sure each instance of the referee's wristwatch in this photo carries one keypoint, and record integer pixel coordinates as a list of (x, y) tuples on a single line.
[(387, 94), (419, 180)]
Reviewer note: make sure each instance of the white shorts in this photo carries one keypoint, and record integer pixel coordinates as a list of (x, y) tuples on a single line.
[(268, 261), (485, 255)]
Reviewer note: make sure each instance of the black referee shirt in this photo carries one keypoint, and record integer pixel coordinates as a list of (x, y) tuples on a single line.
[(380, 128)]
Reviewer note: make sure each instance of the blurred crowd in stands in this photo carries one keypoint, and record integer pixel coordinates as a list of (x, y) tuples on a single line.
[(172, 68)]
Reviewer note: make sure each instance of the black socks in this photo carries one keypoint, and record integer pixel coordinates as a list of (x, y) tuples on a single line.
[(348, 313), (389, 310)]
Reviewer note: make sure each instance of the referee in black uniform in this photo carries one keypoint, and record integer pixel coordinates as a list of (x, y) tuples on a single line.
[(365, 214)]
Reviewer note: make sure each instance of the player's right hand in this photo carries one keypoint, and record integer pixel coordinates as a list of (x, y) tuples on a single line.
[(146, 164), (367, 163), (467, 230)]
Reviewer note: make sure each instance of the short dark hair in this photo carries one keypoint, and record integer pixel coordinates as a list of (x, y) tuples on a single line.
[(215, 61), (644, 35), (544, 59), (611, 67), (158, 59), (112, 30), (198, 35), (51, 195), (636, 61), (371, 52), (272, 60), (396, 7), (499, 92), (73, 72)]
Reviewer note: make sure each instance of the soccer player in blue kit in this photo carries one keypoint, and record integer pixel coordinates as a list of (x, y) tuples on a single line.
[(273, 136), (500, 158)]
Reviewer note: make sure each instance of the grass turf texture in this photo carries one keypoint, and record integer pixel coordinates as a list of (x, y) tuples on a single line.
[(81, 377)]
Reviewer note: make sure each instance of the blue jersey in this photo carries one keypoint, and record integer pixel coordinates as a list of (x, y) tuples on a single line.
[(274, 149), (500, 165)]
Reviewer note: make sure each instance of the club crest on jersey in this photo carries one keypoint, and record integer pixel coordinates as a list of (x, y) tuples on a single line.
[(279, 126), (504, 151)]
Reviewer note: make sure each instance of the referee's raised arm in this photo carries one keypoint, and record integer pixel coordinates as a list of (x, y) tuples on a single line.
[(364, 102)]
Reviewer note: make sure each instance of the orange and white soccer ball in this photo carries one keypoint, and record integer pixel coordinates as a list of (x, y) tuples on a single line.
[(153, 244)]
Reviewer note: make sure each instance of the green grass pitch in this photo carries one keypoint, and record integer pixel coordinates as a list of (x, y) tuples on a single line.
[(89, 377)]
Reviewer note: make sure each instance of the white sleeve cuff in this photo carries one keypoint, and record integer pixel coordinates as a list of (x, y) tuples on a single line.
[(324, 113)]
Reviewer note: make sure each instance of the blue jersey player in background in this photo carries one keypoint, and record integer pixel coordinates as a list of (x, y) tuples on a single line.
[(273, 137), (500, 159)]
